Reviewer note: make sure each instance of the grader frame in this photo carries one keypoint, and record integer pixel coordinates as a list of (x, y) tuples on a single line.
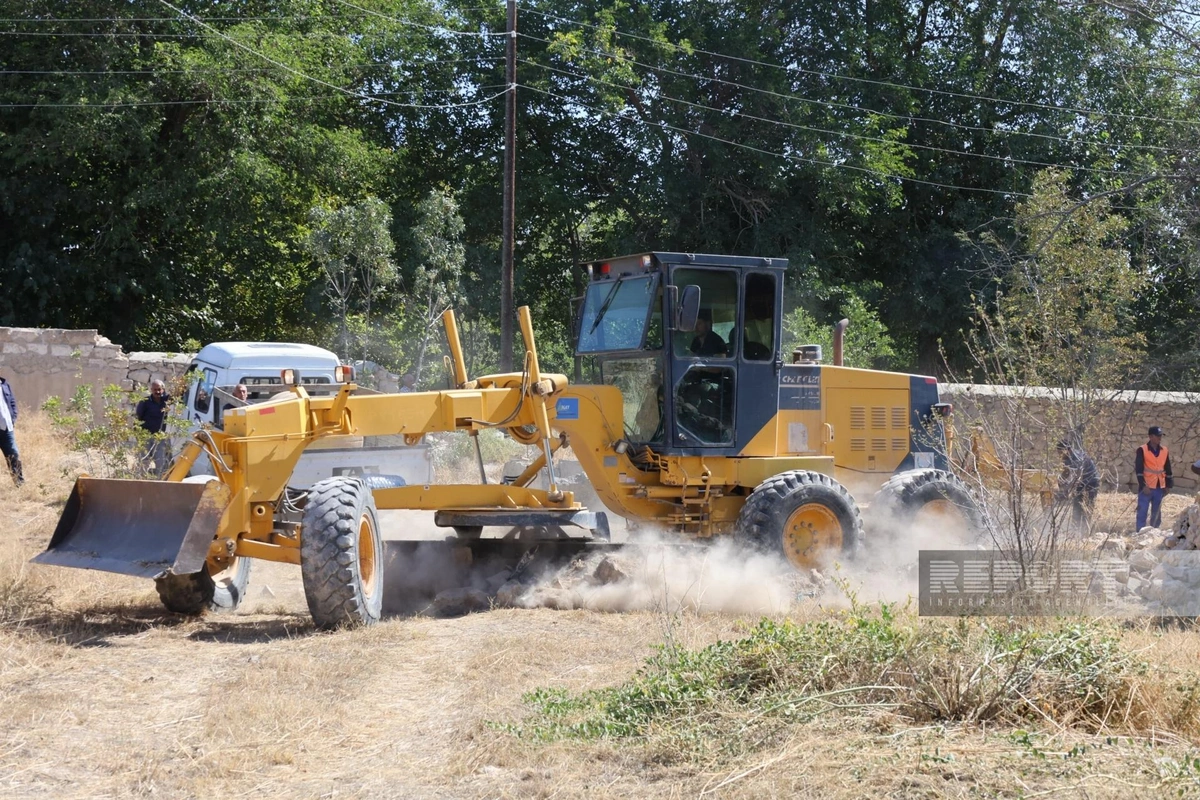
[(774, 473), (253, 458)]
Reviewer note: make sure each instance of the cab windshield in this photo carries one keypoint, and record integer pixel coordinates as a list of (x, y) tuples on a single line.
[(616, 314)]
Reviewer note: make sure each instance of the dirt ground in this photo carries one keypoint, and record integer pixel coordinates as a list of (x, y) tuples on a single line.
[(102, 694)]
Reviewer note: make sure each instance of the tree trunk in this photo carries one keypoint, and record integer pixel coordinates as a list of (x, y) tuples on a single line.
[(428, 320)]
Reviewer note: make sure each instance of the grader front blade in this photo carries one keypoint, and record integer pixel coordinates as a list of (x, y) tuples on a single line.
[(141, 528)]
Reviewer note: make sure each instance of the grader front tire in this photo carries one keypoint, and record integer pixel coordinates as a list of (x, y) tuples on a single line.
[(803, 516), (341, 554)]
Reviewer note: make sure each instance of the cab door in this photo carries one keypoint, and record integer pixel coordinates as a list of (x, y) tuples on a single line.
[(704, 367), (758, 363)]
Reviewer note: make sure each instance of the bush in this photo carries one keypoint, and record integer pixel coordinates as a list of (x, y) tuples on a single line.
[(115, 445), (733, 693), (868, 344)]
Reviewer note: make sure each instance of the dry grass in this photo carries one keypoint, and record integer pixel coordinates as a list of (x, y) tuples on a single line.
[(104, 695), (1117, 513)]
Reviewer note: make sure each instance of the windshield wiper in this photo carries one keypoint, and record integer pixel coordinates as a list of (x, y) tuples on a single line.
[(608, 298)]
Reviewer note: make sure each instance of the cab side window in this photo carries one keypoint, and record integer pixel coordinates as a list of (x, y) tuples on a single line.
[(759, 317), (716, 327)]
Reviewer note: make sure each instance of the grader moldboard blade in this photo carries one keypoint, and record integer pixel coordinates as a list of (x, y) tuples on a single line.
[(141, 528)]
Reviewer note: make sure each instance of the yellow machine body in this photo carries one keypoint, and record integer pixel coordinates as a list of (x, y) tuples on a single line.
[(682, 448)]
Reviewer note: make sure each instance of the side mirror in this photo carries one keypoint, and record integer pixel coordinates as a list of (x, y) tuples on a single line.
[(688, 308)]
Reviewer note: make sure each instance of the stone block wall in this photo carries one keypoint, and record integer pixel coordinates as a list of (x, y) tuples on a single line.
[(43, 362), (1112, 425)]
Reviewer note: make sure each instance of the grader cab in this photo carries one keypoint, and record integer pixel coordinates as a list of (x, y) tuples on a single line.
[(696, 424)]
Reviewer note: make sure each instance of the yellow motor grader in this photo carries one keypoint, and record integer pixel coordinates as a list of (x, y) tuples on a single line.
[(696, 424)]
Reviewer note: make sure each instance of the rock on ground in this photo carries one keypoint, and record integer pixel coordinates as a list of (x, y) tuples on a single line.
[(457, 602)]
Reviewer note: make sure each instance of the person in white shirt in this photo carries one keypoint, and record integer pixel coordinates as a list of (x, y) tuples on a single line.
[(8, 431)]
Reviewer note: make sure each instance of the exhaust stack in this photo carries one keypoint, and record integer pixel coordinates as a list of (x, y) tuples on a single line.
[(839, 335)]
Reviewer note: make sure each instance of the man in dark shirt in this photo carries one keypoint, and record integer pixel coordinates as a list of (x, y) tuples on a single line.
[(240, 392), (152, 414), (707, 342), (1079, 483)]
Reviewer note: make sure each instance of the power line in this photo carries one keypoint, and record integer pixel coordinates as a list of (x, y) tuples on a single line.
[(845, 134), (281, 17), (367, 13), (850, 107), (97, 20), (868, 81), (149, 35), (98, 34), (215, 101), (224, 70), (327, 84), (278, 18), (784, 156)]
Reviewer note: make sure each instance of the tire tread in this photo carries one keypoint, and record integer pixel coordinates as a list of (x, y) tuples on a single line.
[(329, 555)]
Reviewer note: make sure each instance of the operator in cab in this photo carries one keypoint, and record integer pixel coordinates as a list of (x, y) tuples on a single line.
[(707, 341)]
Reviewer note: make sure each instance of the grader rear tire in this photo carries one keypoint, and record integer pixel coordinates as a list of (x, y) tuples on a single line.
[(341, 554), (926, 497), (802, 516), (199, 592)]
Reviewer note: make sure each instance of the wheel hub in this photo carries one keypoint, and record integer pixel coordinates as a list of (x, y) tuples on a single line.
[(810, 532), (366, 556)]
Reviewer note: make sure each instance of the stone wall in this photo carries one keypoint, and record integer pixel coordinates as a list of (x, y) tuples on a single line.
[(1112, 426), (43, 362)]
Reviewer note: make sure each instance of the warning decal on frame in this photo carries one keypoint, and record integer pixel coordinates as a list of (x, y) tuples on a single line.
[(567, 408)]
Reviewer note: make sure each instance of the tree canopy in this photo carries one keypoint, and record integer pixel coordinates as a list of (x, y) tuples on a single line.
[(161, 158)]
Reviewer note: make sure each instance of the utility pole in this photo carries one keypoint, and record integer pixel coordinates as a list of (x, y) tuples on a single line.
[(507, 315)]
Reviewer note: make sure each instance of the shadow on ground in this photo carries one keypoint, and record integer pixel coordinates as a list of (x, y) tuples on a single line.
[(100, 626)]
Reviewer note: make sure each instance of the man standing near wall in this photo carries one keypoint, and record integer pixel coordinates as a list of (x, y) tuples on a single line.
[(1152, 465), (8, 431), (152, 414), (1079, 483)]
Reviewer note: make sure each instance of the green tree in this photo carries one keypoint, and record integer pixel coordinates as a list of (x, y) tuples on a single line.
[(157, 177), (1063, 316), (867, 343), (439, 265), (353, 246)]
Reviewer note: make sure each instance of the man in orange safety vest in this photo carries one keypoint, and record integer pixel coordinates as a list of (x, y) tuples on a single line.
[(1152, 465)]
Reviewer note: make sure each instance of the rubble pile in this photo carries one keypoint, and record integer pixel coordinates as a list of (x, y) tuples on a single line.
[(1164, 566)]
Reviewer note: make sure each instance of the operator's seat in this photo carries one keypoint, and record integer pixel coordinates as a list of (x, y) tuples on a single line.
[(756, 351)]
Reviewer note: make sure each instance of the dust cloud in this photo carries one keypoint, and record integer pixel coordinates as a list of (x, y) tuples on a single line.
[(654, 572), (886, 566), (660, 574)]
